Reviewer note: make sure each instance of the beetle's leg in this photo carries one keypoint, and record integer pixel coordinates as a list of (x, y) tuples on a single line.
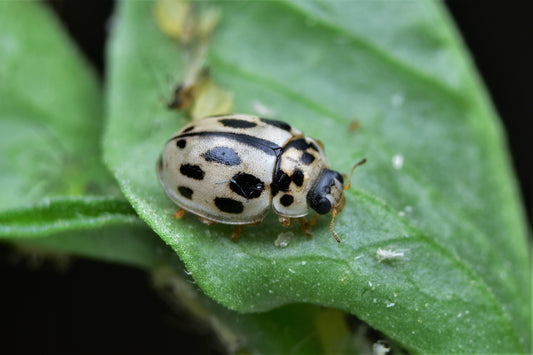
[(236, 233), (179, 213), (285, 221), (207, 221), (306, 226), (308, 223)]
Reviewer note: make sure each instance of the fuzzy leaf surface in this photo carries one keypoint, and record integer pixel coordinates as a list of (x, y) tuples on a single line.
[(64, 214)]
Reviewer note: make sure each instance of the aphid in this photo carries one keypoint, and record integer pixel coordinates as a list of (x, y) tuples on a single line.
[(232, 169), (198, 95)]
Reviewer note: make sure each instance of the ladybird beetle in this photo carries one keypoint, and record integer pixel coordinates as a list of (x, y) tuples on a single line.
[(230, 169)]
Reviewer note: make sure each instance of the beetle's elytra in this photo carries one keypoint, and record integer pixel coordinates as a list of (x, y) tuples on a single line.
[(232, 169)]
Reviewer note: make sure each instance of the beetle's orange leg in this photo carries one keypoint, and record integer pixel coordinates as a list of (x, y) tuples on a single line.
[(236, 233), (308, 223), (312, 221), (207, 221), (179, 213), (285, 221), (306, 226)]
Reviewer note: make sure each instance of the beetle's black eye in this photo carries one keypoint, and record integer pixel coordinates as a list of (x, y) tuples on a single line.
[(316, 197), (323, 206)]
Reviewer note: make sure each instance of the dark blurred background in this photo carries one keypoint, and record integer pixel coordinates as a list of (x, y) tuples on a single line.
[(92, 307)]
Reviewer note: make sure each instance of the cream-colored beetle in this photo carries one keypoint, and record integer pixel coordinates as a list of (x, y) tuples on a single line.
[(231, 169)]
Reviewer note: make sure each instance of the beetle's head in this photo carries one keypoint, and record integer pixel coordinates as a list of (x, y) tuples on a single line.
[(327, 194)]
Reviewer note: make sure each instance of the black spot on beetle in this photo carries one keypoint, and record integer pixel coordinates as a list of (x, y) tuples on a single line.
[(192, 171), (222, 155), (313, 146), (281, 182), (276, 123), (237, 123), (181, 143), (298, 177), (188, 129), (185, 192), (264, 145), (299, 144), (286, 200), (229, 205), (246, 185), (307, 158)]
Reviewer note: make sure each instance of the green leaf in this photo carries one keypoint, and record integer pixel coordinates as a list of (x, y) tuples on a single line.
[(65, 214), (296, 328), (53, 183), (134, 245), (437, 184), (50, 112)]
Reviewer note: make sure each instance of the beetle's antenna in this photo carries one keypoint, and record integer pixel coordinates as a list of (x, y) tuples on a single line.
[(333, 215), (335, 211), (349, 184)]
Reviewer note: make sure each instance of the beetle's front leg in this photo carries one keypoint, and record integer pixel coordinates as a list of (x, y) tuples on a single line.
[(236, 233), (306, 226), (207, 221), (308, 223), (179, 213), (285, 221)]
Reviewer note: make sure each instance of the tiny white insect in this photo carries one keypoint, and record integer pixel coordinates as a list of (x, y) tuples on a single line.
[(397, 161), (390, 254), (380, 348)]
